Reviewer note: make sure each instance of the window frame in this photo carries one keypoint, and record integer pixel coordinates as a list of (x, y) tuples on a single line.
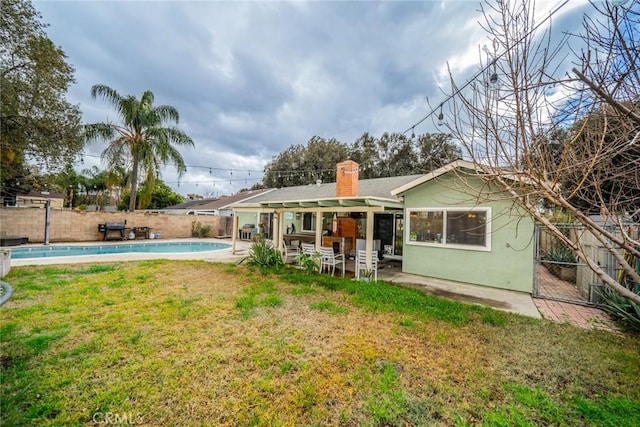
[(485, 248), (313, 221)]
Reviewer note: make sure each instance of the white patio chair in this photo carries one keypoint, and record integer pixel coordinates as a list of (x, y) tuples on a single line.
[(361, 264), (330, 259), (308, 248), (289, 253)]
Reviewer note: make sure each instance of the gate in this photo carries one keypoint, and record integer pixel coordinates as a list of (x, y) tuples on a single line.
[(558, 274)]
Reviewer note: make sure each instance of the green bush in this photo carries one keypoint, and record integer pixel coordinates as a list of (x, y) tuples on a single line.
[(561, 253), (263, 254), (200, 230), (204, 231), (310, 263), (621, 308)]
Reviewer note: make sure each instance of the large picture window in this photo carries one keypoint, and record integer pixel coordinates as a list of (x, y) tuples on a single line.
[(462, 228)]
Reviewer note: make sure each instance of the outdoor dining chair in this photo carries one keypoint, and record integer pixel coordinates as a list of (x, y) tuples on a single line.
[(289, 253), (330, 259), (361, 264), (308, 248)]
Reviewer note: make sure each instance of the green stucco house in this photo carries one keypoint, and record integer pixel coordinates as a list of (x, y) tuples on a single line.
[(444, 224), (458, 229)]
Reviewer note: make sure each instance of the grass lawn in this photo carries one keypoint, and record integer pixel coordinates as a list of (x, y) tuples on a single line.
[(194, 343)]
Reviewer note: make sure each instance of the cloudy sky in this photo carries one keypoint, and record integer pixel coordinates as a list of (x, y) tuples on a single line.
[(250, 79)]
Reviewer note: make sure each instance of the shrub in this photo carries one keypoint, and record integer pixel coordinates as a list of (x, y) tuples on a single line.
[(263, 254), (621, 308), (204, 231), (310, 263), (561, 253), (199, 229)]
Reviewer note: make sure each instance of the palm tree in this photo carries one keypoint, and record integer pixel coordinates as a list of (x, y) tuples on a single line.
[(142, 137)]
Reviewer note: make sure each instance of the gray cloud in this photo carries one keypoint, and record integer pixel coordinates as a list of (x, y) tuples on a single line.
[(252, 78)]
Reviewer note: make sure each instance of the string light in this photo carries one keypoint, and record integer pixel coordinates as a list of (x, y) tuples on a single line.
[(440, 117), (493, 80), (486, 67)]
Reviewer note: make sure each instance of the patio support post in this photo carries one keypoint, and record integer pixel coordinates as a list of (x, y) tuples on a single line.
[(234, 234), (318, 230), (369, 235), (278, 220)]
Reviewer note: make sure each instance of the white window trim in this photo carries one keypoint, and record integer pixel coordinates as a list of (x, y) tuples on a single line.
[(407, 228)]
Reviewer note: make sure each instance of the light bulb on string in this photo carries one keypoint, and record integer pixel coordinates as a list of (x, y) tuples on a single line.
[(493, 79), (413, 134), (440, 117)]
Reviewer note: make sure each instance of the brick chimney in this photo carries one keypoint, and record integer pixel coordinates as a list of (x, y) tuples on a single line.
[(347, 179)]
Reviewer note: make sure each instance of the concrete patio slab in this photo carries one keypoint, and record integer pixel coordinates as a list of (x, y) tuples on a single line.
[(512, 301)]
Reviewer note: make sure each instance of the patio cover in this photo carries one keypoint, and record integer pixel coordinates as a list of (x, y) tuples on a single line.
[(375, 195)]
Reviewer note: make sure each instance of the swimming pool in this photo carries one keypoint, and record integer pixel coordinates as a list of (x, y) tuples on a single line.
[(121, 248)]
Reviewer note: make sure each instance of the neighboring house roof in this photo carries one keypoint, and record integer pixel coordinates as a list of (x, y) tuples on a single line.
[(211, 205), (191, 204), (227, 201), (42, 195), (371, 192)]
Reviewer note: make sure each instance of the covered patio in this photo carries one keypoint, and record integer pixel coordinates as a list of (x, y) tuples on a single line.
[(340, 215)]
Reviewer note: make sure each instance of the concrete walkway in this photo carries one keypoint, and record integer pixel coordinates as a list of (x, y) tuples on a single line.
[(515, 302)]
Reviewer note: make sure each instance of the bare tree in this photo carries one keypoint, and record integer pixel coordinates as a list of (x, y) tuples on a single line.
[(529, 90)]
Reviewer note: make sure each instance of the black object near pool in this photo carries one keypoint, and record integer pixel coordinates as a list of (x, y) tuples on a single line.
[(13, 241)]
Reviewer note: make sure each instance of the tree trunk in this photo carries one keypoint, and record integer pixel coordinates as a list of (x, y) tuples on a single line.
[(134, 185)]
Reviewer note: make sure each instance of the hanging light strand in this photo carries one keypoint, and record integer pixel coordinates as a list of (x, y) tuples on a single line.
[(484, 69)]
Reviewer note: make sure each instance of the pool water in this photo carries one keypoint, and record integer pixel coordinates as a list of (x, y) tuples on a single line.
[(62, 251)]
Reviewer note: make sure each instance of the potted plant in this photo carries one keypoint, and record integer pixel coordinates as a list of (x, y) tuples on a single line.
[(195, 229), (366, 275), (200, 230)]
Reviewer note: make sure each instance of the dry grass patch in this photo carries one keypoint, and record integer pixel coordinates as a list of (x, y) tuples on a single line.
[(190, 343)]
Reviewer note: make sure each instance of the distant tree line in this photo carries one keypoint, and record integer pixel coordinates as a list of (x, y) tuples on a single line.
[(391, 154)]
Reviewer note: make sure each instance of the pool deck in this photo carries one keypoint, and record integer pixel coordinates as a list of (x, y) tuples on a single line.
[(220, 255)]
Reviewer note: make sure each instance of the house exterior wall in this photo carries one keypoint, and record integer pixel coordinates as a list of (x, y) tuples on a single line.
[(248, 218), (508, 264)]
